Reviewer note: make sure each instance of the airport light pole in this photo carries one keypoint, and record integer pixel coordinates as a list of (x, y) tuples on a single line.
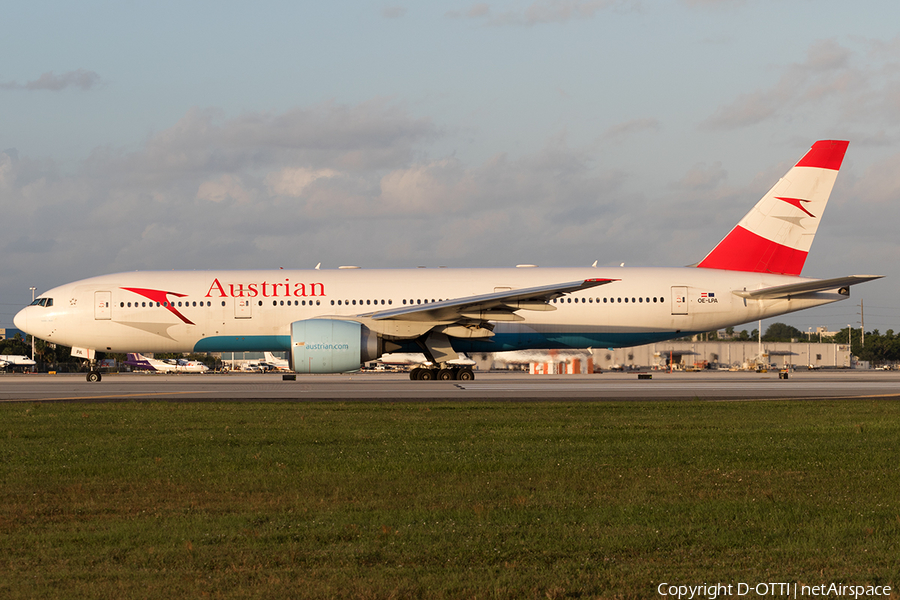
[(808, 340), (32, 288), (850, 345)]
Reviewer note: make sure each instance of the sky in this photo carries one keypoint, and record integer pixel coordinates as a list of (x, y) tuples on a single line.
[(209, 135)]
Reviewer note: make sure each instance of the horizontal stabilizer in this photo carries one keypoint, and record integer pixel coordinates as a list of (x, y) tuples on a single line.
[(806, 287)]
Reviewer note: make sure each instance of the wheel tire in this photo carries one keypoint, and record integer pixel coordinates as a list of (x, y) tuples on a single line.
[(465, 374), (414, 374), (93, 377), (426, 375), (446, 375)]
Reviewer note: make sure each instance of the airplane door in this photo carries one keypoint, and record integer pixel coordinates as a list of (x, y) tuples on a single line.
[(243, 308), (679, 300), (102, 303)]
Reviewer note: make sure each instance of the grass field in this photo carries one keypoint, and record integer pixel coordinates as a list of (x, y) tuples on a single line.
[(492, 500)]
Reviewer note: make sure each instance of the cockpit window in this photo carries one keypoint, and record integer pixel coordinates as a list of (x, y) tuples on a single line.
[(46, 302)]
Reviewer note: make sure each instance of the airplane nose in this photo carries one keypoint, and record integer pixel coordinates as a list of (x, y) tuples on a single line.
[(21, 320)]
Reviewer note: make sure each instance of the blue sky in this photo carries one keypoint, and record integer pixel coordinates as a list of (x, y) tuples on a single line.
[(214, 134)]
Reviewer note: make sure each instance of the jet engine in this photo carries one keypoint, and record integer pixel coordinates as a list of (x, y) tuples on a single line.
[(332, 346)]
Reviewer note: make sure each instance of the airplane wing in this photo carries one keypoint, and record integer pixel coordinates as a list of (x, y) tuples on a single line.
[(432, 324), (497, 306), (806, 287)]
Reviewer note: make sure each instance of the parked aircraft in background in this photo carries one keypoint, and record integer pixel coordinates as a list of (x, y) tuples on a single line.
[(9, 361), (271, 363), (181, 365), (332, 321)]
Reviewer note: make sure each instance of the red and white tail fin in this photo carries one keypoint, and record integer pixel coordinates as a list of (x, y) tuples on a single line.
[(775, 236)]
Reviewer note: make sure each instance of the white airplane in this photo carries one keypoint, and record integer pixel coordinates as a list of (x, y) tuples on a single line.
[(181, 365), (332, 321), (15, 360), (275, 364)]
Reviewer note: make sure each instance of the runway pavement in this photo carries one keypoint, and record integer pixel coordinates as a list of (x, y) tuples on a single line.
[(502, 386)]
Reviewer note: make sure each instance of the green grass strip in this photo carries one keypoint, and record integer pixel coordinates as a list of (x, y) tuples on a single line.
[(492, 500)]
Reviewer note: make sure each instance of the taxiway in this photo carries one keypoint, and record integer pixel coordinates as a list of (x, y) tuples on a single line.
[(390, 387)]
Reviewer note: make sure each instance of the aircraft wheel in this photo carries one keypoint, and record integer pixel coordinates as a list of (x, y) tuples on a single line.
[(466, 374), (446, 374), (414, 373), (93, 376), (426, 375)]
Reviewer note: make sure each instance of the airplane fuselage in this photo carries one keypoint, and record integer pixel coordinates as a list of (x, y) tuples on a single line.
[(197, 311)]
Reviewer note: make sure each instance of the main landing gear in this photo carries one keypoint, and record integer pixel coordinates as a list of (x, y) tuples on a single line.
[(445, 374)]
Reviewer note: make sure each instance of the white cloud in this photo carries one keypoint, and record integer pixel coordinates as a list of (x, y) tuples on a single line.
[(393, 12), (628, 128), (292, 181), (6, 170), (437, 187), (544, 11), (225, 187), (833, 79), (80, 78), (703, 177)]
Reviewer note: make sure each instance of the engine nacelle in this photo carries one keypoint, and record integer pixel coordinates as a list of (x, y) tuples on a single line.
[(332, 346)]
